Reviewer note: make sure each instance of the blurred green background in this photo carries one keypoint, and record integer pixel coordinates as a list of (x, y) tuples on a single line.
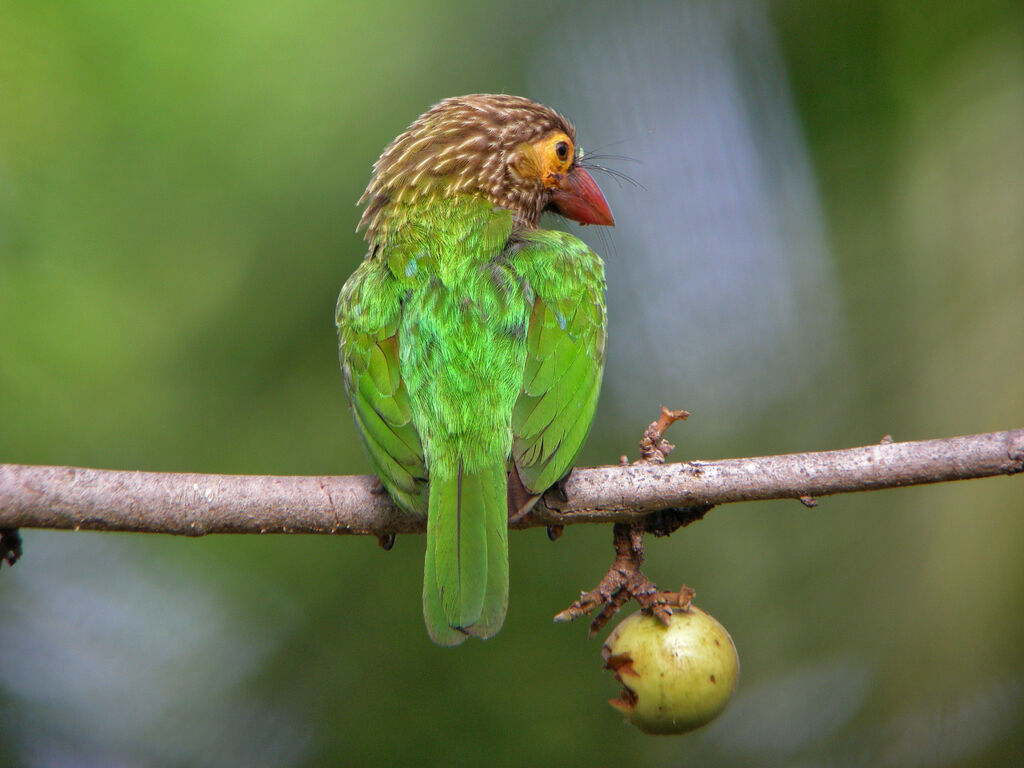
[(827, 247)]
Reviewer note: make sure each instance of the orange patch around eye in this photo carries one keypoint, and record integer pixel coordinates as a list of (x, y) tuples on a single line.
[(553, 164)]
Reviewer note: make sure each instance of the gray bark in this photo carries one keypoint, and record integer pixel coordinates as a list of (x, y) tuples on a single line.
[(197, 504)]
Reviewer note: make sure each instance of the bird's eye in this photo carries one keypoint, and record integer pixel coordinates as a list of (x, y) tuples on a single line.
[(562, 151)]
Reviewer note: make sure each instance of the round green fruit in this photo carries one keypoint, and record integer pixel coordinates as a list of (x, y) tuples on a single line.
[(674, 678)]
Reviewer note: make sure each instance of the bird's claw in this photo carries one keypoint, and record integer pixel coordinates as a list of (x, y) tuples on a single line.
[(10, 545)]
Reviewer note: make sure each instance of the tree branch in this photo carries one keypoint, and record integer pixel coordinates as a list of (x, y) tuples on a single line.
[(195, 504)]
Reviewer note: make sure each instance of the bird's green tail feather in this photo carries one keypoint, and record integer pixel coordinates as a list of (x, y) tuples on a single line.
[(433, 613), (465, 582)]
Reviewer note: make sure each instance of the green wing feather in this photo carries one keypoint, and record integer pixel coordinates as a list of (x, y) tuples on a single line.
[(367, 331), (565, 357)]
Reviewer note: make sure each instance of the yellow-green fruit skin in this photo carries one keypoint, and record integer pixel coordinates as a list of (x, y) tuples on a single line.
[(677, 677)]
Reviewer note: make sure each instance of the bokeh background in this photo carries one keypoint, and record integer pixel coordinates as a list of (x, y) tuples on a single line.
[(826, 247)]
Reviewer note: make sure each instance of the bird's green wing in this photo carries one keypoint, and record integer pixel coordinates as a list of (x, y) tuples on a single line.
[(368, 314), (565, 356)]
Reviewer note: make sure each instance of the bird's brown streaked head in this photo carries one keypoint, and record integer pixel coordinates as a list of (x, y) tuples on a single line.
[(516, 153)]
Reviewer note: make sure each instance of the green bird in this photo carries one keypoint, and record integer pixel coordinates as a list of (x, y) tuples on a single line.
[(472, 341)]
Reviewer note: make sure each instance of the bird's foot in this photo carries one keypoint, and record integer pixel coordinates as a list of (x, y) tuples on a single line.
[(10, 545), (555, 497), (623, 582)]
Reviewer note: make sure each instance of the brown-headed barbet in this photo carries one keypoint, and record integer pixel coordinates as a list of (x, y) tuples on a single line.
[(472, 341)]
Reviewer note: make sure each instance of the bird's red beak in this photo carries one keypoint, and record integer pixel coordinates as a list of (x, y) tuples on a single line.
[(577, 197)]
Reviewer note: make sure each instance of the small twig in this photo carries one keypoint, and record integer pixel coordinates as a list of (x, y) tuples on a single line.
[(625, 580)]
